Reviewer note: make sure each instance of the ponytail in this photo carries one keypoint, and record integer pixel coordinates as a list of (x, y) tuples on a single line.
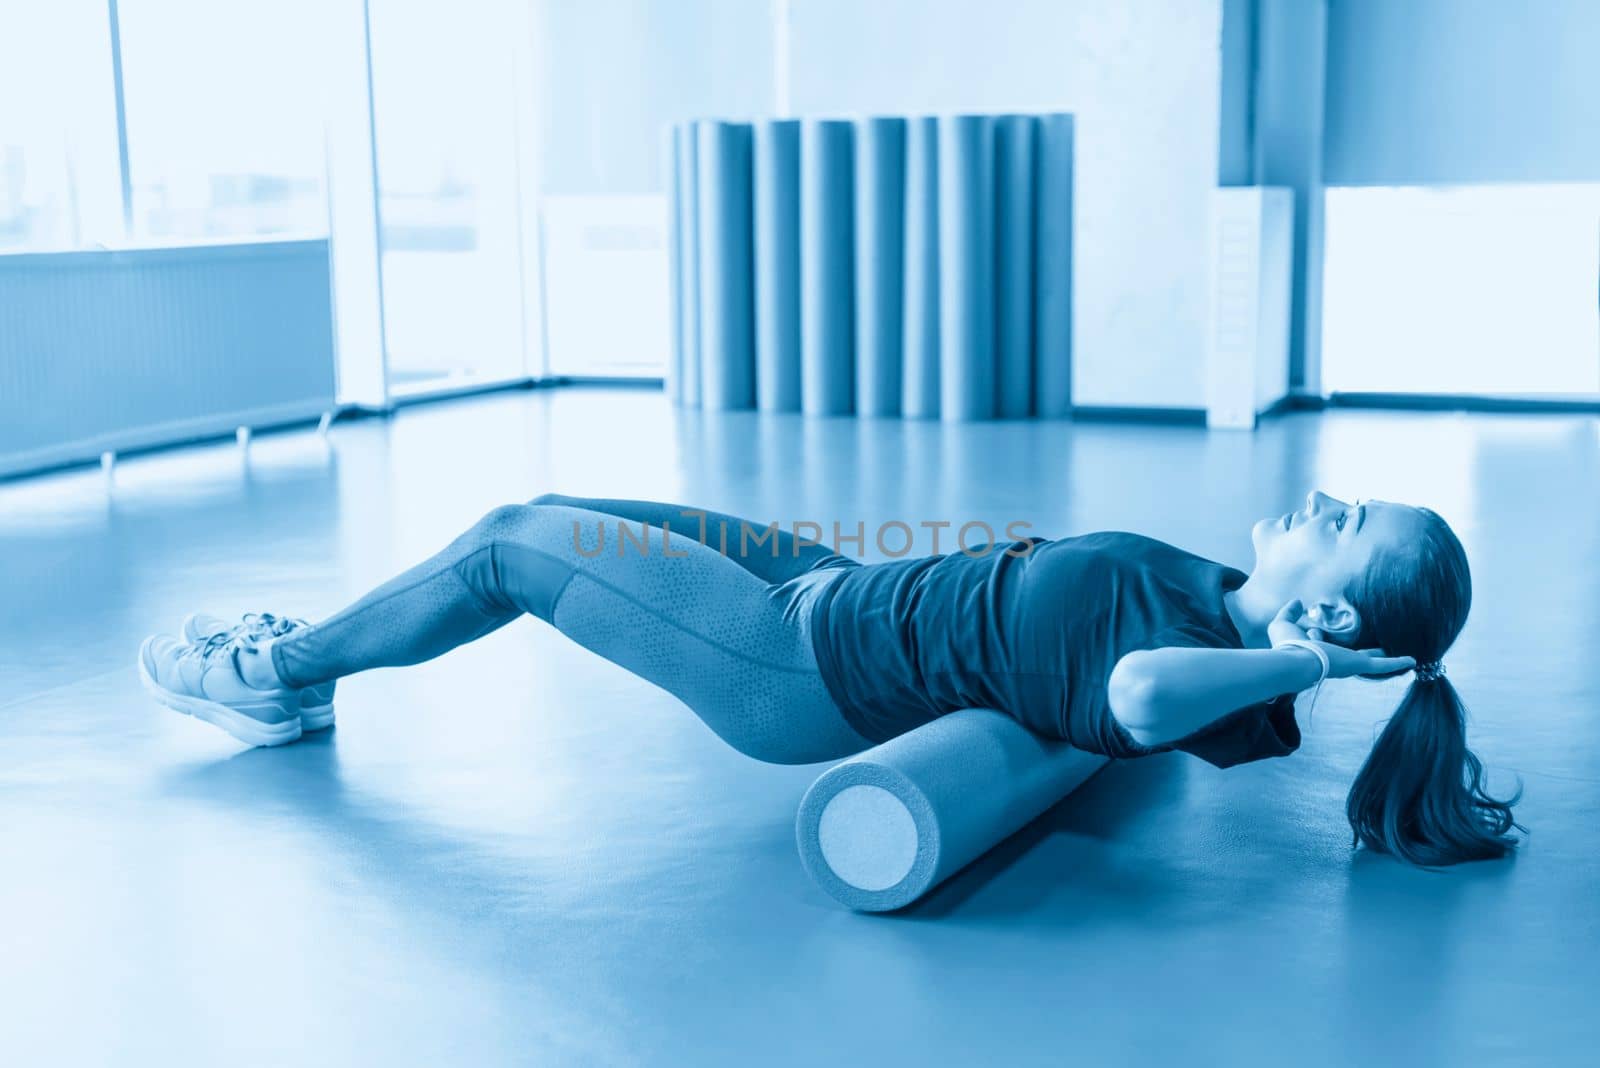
[(1419, 796)]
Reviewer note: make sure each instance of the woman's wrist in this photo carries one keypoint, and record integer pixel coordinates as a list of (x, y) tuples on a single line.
[(1310, 665)]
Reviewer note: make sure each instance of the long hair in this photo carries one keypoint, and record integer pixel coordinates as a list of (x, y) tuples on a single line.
[(1420, 794)]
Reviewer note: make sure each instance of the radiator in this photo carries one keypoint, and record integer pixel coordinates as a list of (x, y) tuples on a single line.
[(117, 350)]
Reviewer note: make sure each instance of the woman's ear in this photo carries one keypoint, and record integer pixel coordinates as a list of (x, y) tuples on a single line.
[(1337, 621)]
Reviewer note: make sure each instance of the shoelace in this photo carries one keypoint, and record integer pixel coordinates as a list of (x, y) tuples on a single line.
[(253, 627), (257, 623), (211, 646)]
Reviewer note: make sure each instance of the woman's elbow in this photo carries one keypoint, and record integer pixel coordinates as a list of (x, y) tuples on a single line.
[(1134, 701)]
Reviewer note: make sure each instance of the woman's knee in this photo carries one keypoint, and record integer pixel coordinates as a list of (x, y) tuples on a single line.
[(514, 559), (502, 523)]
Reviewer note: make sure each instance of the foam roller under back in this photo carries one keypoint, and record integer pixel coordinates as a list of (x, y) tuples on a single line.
[(883, 828)]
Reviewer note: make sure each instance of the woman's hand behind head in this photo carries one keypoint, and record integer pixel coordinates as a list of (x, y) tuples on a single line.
[(1343, 663)]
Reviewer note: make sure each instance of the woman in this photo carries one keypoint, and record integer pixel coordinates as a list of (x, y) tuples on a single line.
[(1120, 644)]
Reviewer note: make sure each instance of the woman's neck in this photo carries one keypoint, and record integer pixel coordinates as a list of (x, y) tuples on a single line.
[(1251, 608)]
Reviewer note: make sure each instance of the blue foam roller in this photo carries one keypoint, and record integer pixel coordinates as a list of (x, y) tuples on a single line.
[(777, 211), (880, 254), (883, 828), (727, 297), (1013, 184), (827, 368), (1052, 279), (966, 268), (919, 396), (687, 209)]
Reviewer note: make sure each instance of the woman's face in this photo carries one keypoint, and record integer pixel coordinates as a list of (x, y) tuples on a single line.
[(1315, 553)]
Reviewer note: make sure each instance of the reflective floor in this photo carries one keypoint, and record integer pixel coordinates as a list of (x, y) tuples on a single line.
[(520, 854)]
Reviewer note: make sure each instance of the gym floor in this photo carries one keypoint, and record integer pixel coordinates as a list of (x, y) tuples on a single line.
[(519, 853)]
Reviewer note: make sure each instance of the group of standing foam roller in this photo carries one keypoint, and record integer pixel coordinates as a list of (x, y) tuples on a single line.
[(914, 267)]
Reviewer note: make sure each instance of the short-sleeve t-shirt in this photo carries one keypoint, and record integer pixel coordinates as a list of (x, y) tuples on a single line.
[(1033, 628)]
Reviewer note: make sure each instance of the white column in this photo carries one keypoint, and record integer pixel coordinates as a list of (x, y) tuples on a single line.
[(355, 239), (525, 32)]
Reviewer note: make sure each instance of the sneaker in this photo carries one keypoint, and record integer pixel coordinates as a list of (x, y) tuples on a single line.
[(203, 681), (316, 702)]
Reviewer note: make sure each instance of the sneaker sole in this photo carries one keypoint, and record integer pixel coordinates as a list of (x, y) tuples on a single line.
[(245, 728), (313, 717)]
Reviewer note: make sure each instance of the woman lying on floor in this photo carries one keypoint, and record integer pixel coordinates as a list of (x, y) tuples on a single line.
[(1120, 644)]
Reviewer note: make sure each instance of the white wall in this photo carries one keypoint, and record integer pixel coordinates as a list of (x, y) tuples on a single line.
[(613, 73), (1291, 45), (1463, 91), (1143, 77), (1236, 136)]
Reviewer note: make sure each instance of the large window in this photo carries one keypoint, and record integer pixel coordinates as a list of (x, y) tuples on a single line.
[(224, 102), (605, 239), (59, 186), (445, 121), (489, 172), (1491, 290)]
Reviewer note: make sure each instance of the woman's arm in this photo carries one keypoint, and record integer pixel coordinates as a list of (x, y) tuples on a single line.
[(1162, 695), (1165, 694)]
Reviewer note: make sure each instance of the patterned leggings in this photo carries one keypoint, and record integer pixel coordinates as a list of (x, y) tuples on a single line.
[(726, 631)]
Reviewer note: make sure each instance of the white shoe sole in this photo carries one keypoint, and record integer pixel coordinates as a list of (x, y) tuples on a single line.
[(246, 728), (316, 717)]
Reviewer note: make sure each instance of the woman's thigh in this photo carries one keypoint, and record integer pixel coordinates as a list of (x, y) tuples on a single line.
[(679, 614), (766, 550)]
